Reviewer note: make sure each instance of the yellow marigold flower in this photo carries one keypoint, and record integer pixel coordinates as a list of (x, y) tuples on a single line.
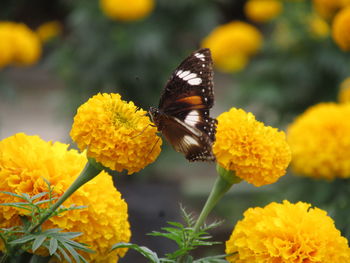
[(6, 46), (24, 163), (320, 141), (115, 133), (49, 30), (127, 10), (256, 153), (262, 10), (26, 44), (327, 8), (318, 26), (232, 44), (341, 29), (285, 233), (344, 93)]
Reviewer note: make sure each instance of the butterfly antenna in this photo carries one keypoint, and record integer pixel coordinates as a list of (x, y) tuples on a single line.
[(141, 131), (154, 145)]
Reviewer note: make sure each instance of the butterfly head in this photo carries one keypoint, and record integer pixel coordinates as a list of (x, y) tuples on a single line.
[(154, 114)]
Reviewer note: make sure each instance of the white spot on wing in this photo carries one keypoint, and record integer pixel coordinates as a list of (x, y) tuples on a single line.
[(178, 72), (188, 140), (192, 118), (184, 74), (190, 76), (200, 56), (195, 81)]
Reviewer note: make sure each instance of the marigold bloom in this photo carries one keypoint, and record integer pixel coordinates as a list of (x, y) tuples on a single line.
[(19, 44), (341, 29), (115, 133), (24, 163), (262, 10), (286, 233), (6, 47), (256, 153), (320, 141), (49, 30), (232, 45), (318, 26), (344, 93), (127, 10), (327, 8)]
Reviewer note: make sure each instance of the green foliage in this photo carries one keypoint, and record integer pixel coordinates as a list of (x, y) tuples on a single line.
[(134, 59), (19, 239), (186, 238)]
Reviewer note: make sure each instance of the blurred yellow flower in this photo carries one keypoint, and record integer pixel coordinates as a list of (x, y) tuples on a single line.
[(344, 93), (285, 233), (341, 29), (19, 45), (256, 153), (49, 30), (232, 45), (25, 161), (6, 46), (116, 133), (320, 141), (327, 8), (27, 45), (262, 10), (318, 26), (127, 10)]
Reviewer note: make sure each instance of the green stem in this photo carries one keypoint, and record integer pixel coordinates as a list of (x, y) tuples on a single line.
[(91, 170), (223, 183)]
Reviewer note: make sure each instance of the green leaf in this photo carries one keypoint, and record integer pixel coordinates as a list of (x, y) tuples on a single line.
[(23, 239), (53, 246), (146, 252), (38, 195), (13, 194), (64, 254), (71, 251), (38, 242)]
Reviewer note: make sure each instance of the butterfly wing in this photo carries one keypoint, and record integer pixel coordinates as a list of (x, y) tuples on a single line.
[(185, 104)]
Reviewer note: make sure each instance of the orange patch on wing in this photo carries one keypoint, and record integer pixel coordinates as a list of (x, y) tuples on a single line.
[(194, 100)]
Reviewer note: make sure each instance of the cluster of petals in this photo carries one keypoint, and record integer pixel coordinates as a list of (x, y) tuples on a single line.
[(257, 153), (27, 161), (19, 45), (232, 45), (116, 133), (344, 92), (263, 10), (127, 10), (320, 141), (287, 233), (341, 29)]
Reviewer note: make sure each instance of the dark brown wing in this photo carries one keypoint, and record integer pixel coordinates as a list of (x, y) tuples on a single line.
[(195, 144), (188, 94)]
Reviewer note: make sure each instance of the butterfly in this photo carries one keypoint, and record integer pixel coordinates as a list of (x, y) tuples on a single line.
[(183, 112)]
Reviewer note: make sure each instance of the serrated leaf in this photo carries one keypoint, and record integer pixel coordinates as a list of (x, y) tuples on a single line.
[(71, 251), (146, 252), (38, 241), (23, 239), (179, 225), (53, 246), (64, 254), (38, 195), (16, 206), (13, 194)]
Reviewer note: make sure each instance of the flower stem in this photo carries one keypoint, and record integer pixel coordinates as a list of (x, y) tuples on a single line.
[(91, 170), (222, 184)]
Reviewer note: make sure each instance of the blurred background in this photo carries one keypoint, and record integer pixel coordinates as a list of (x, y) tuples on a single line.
[(273, 58)]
